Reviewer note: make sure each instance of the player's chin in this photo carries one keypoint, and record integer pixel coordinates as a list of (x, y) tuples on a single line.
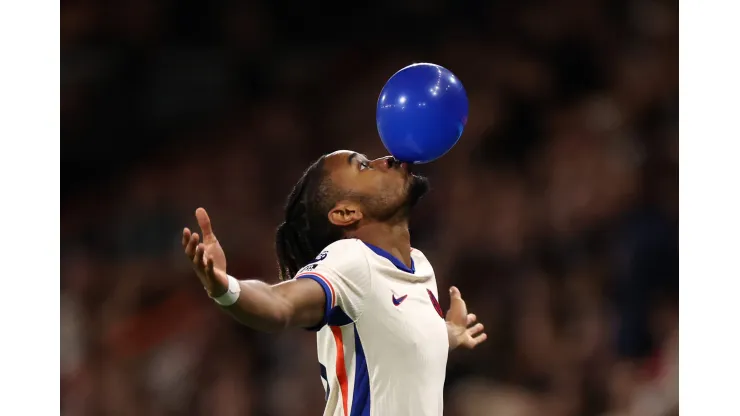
[(418, 187), (419, 181)]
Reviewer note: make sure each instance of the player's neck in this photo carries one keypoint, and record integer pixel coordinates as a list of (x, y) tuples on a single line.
[(393, 238)]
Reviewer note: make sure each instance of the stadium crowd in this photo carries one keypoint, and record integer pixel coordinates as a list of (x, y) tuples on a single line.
[(556, 214)]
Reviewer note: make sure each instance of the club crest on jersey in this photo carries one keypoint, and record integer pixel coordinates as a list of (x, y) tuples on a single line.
[(435, 304)]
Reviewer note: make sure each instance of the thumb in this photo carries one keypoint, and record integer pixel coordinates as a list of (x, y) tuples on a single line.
[(205, 225), (457, 304), (455, 293)]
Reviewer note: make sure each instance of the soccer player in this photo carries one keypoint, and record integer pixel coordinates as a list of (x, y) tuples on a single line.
[(349, 272)]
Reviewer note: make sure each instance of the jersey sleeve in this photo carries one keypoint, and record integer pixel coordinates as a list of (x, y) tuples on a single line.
[(343, 272)]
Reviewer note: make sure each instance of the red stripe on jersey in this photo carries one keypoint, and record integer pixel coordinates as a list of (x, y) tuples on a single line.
[(333, 294), (341, 369), (331, 287)]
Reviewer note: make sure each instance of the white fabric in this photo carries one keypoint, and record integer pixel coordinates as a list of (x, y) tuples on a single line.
[(232, 293), (388, 355)]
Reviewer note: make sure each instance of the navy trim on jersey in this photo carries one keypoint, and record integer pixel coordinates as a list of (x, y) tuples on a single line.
[(327, 293), (361, 392), (337, 317), (396, 262), (324, 377)]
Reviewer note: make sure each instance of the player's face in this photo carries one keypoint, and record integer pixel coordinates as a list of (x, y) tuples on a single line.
[(382, 186)]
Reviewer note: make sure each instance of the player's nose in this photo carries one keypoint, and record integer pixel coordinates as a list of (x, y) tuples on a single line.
[(384, 163)]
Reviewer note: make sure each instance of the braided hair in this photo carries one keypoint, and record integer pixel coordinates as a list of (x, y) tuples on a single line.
[(306, 229)]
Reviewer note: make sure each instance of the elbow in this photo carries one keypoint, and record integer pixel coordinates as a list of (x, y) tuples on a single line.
[(277, 320), (265, 311), (269, 320), (269, 326), (277, 323)]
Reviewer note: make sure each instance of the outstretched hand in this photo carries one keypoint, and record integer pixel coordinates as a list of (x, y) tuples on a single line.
[(207, 257), (459, 321)]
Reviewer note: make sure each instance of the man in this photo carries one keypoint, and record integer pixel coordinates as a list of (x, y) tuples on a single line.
[(349, 272)]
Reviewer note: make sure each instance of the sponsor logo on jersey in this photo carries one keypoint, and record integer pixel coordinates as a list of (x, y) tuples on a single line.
[(398, 301)]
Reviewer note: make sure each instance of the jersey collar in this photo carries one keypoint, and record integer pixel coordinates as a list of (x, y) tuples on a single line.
[(396, 262)]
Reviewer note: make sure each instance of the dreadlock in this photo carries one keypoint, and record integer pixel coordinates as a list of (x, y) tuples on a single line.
[(306, 229)]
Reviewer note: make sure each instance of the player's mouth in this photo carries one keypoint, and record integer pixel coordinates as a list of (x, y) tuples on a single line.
[(408, 168), (395, 163)]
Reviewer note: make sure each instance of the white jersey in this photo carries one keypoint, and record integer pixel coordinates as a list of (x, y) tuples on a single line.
[(383, 343)]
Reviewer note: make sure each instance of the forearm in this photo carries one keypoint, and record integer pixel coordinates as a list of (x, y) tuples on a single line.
[(260, 307), (270, 308), (297, 302)]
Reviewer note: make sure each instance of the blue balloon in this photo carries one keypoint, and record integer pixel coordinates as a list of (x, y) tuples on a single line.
[(422, 111)]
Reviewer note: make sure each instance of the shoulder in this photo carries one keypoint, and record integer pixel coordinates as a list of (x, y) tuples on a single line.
[(341, 249), (343, 256)]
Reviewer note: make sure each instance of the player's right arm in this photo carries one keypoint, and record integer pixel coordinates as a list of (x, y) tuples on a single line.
[(302, 302), (270, 308)]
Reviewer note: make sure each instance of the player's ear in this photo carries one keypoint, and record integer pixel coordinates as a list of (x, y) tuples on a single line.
[(345, 213)]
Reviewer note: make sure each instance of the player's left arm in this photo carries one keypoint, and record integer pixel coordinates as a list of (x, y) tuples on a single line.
[(460, 329)]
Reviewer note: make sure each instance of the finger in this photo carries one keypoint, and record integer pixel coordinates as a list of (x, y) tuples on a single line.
[(185, 237), (471, 318), (192, 244), (455, 293), (198, 258), (473, 330), (204, 222), (479, 339), (209, 267)]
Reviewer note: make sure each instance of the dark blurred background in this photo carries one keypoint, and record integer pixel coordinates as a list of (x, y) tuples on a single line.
[(556, 214)]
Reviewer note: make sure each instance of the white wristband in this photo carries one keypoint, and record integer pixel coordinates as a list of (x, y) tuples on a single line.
[(232, 294)]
